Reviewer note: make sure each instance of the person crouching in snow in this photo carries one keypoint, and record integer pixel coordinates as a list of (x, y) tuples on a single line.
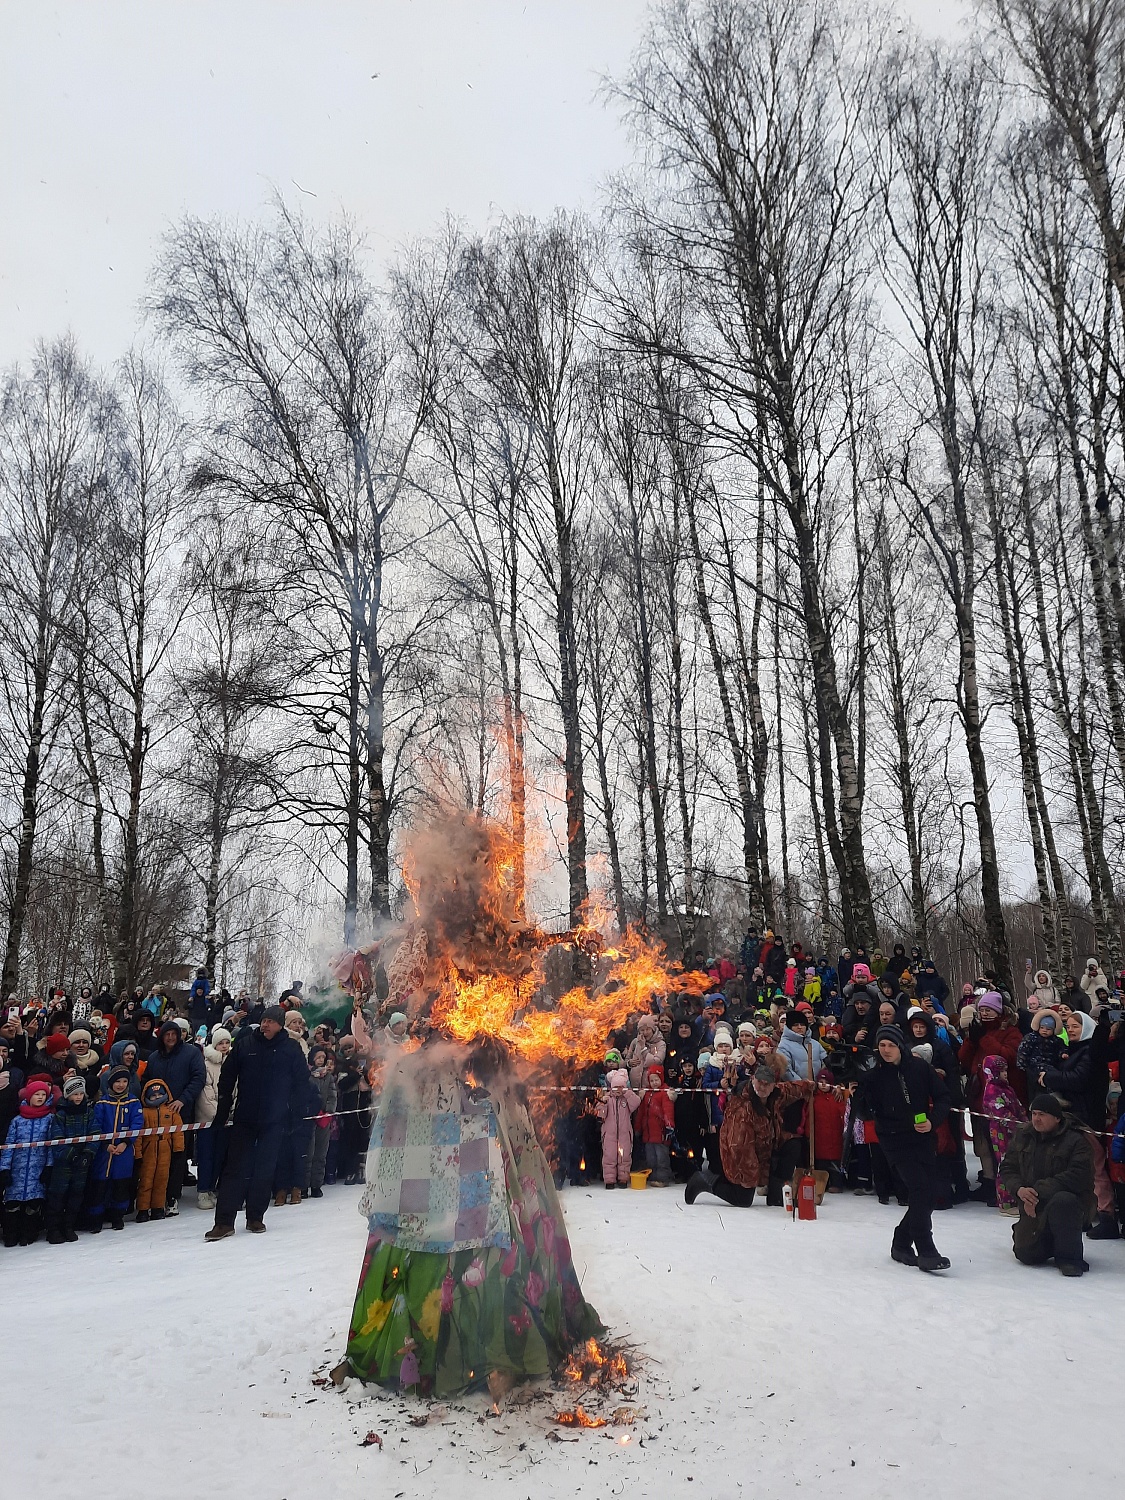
[(655, 1124), (1006, 1114), (69, 1169), (115, 1113), (615, 1110), (757, 1150), (23, 1163), (156, 1151)]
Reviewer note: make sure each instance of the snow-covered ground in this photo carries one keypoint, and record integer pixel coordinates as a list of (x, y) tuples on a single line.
[(782, 1357)]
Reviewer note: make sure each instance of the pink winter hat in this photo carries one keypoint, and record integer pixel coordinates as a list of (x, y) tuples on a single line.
[(862, 974)]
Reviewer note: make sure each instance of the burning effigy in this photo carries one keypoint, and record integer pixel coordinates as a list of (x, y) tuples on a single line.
[(468, 1279)]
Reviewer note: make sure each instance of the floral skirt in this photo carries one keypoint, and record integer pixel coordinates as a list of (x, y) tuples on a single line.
[(438, 1324)]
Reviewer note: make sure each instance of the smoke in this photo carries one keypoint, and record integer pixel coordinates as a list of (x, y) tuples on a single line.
[(460, 871)]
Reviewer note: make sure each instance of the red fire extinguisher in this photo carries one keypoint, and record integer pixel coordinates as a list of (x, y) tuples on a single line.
[(806, 1197), (804, 1183)]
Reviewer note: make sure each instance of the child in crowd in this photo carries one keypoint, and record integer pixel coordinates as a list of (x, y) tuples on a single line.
[(69, 1166), (1005, 1113), (23, 1163), (1042, 1047), (829, 1106), (324, 1082), (116, 1112), (655, 1125), (615, 1110), (691, 1120), (155, 1152)]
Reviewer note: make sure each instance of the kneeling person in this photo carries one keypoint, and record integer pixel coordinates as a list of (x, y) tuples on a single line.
[(1049, 1170)]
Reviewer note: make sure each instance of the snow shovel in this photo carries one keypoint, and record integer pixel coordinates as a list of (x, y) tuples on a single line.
[(820, 1179)]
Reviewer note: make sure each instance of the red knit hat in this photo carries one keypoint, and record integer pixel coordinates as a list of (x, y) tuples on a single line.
[(55, 1046)]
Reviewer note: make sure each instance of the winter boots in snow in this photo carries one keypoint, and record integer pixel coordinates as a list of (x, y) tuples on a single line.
[(986, 1193), (1105, 1229), (699, 1182), (23, 1223)]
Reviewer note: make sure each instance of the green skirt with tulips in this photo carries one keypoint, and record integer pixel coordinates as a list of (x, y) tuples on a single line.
[(442, 1324)]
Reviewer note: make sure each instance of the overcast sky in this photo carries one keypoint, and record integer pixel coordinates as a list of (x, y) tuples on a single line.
[(116, 116)]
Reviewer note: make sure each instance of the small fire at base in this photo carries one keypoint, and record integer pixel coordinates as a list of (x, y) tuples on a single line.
[(579, 1418), (596, 1366)]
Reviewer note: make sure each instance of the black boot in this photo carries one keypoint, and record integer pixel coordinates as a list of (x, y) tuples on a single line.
[(986, 1193), (32, 1225), (903, 1251), (699, 1182), (1105, 1229), (930, 1260), (143, 1216)]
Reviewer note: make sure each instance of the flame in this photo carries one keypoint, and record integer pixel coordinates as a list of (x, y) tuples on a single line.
[(503, 1005), (475, 967), (579, 1418), (592, 1365)]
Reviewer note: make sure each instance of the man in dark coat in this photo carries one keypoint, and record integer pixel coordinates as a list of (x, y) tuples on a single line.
[(908, 1101), (931, 983), (1049, 1169), (271, 1074)]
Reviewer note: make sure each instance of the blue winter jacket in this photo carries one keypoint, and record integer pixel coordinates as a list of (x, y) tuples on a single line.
[(795, 1050), (712, 1078), (116, 1115), (70, 1120), (28, 1165)]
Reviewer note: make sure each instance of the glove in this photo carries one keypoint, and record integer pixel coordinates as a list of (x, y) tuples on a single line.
[(669, 1136), (5, 1178), (323, 1121)]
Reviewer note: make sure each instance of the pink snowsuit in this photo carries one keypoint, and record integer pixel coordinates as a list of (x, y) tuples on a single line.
[(615, 1112)]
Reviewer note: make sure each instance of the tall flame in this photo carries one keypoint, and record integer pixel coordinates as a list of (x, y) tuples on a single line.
[(485, 967)]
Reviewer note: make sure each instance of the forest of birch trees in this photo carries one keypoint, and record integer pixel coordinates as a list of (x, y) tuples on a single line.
[(752, 546)]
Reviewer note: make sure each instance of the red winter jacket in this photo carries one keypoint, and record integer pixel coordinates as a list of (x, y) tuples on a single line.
[(655, 1113), (828, 1116)]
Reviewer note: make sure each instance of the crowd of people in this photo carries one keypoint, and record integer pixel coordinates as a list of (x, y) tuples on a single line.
[(868, 1071), (276, 1111)]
